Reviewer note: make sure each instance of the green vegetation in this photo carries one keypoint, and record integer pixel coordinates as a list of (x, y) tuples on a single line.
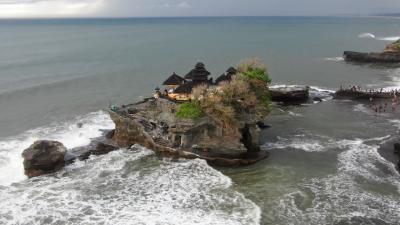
[(395, 46), (189, 110), (247, 92), (254, 69)]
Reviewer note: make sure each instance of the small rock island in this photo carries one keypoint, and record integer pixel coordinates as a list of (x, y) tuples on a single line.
[(391, 54), (195, 117)]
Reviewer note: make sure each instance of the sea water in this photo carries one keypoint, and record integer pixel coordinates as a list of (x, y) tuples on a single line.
[(324, 166)]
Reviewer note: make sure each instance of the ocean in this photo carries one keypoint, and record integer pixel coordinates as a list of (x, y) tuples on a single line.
[(324, 165)]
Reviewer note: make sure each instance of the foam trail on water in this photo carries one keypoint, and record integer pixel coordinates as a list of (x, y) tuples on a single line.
[(335, 59), (361, 169), (128, 187), (366, 35), (393, 38), (68, 133), (373, 36)]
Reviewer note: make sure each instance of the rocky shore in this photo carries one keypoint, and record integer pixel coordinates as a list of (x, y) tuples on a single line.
[(153, 124), (290, 93), (391, 54)]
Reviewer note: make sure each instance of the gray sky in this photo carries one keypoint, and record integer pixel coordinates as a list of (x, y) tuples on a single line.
[(156, 8)]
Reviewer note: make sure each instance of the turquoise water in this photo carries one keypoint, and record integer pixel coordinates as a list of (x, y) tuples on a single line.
[(324, 166)]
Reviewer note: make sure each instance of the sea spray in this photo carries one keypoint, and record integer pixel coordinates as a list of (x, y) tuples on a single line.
[(68, 133), (128, 187)]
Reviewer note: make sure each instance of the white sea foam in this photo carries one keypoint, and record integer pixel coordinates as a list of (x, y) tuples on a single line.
[(350, 192), (68, 133), (335, 59), (395, 123), (307, 144), (321, 90), (294, 114), (373, 36), (393, 38), (128, 187), (366, 35)]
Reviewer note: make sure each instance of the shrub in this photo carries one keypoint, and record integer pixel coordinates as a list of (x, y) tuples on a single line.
[(189, 110), (254, 69)]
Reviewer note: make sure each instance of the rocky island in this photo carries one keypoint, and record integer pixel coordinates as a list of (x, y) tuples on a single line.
[(196, 118), (193, 117), (391, 54)]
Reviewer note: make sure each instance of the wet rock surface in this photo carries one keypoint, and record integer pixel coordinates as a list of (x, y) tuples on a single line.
[(372, 57), (391, 152), (290, 93), (351, 94), (391, 54), (154, 125), (44, 157), (100, 149)]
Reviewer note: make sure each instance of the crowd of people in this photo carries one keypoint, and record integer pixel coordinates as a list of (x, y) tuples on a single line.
[(388, 100)]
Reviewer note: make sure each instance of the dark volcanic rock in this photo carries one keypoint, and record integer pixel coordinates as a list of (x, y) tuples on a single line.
[(43, 157), (391, 152), (101, 149), (397, 148), (317, 99), (397, 152), (373, 57), (351, 94), (262, 125), (295, 93), (110, 134), (155, 126)]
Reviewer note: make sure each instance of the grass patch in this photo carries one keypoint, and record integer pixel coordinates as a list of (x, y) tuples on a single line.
[(189, 110)]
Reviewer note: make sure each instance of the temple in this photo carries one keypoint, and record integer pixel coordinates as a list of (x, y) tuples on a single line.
[(180, 89), (227, 76)]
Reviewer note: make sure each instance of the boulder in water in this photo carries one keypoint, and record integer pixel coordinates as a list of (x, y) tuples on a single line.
[(397, 151), (391, 54), (110, 134), (290, 93), (101, 149), (372, 57), (44, 157)]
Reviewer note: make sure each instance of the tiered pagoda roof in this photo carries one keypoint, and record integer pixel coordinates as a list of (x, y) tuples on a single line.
[(185, 88), (199, 74), (174, 79), (227, 76)]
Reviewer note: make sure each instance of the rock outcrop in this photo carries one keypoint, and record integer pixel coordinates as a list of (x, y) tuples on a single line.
[(372, 57), (290, 93), (153, 124), (350, 94), (391, 54), (43, 157), (397, 152), (100, 149)]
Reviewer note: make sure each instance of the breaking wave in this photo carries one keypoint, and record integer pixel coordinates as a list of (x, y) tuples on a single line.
[(393, 38), (335, 59), (366, 35), (365, 188), (128, 187), (373, 36), (11, 168), (307, 143)]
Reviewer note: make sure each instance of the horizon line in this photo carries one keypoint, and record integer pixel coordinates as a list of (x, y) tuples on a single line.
[(179, 17)]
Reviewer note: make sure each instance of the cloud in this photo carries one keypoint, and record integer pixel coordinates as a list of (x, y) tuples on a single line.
[(184, 5), (48, 8), (157, 8)]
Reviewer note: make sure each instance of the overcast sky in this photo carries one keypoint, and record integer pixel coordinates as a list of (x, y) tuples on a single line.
[(160, 8)]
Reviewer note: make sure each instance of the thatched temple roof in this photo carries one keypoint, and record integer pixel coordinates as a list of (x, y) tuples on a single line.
[(174, 79), (231, 71), (227, 76), (199, 74), (185, 88)]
